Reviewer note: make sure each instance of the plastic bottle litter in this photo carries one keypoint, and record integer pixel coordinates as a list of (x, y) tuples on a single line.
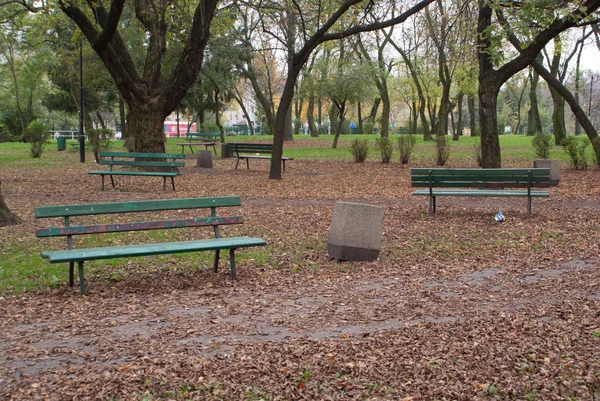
[(499, 217)]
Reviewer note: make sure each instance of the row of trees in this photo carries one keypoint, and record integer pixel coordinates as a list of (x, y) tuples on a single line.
[(435, 56)]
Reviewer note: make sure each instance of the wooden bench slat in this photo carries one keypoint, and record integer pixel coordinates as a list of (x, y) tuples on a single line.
[(136, 173), (133, 163), (480, 172), (487, 193), (481, 184), (137, 226), (75, 255), (135, 206), (143, 155)]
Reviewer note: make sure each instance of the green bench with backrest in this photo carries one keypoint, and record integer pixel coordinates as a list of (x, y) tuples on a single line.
[(163, 165), (200, 139), (210, 218), (247, 151), (480, 183)]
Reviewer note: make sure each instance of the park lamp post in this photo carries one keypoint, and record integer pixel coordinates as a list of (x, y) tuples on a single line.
[(81, 137)]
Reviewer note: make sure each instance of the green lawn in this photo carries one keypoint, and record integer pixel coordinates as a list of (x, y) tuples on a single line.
[(513, 148)]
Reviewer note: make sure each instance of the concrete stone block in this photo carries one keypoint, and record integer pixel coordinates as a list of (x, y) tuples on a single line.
[(204, 159), (355, 232), (552, 164)]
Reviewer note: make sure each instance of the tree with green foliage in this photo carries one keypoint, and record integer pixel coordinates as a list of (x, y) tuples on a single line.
[(325, 26), (22, 66), (154, 53), (491, 78)]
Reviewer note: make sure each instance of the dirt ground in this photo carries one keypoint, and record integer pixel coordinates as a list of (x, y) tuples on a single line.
[(458, 306)]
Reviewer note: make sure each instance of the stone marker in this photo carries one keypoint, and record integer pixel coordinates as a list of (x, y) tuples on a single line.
[(204, 159), (355, 232), (552, 164)]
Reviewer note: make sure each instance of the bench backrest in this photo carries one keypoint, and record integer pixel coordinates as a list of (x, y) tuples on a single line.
[(252, 147), (140, 159), (203, 135), (481, 178), (68, 211)]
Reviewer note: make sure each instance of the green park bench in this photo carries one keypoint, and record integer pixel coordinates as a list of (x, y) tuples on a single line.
[(247, 151), (480, 182), (73, 255), (200, 139), (134, 161)]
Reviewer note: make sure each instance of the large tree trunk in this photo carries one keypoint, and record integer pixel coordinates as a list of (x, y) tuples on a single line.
[(488, 120), (310, 117), (6, 216), (459, 110), (146, 128), (359, 116), (558, 117), (534, 122), (414, 124), (385, 113), (288, 131), (475, 131)]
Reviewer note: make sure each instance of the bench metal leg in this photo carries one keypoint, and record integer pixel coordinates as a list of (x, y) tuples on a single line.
[(214, 149), (102, 181), (529, 206), (232, 261), (191, 149), (238, 162), (81, 280), (434, 205), (283, 162), (112, 181), (173, 182), (164, 183), (71, 273), (247, 164), (216, 261)]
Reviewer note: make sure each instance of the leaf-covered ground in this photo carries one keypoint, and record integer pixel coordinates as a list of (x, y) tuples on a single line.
[(458, 307)]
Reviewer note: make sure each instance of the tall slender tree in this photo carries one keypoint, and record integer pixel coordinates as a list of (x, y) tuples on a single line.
[(491, 79)]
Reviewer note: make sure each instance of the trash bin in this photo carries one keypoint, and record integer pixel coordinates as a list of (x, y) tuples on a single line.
[(226, 151), (61, 142)]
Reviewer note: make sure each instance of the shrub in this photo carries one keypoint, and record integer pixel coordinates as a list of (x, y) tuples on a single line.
[(542, 144), (367, 128), (477, 152), (406, 144), (323, 129), (442, 150), (37, 136), (385, 148), (575, 148), (297, 126), (360, 149), (210, 127), (100, 140)]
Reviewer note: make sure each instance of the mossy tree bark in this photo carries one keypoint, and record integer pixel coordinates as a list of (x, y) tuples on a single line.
[(6, 216)]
